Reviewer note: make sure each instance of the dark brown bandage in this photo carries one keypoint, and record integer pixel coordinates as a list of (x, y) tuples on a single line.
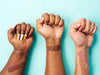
[(16, 67), (53, 48)]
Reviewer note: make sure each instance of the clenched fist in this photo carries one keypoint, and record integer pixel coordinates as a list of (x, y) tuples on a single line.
[(21, 37), (82, 32), (50, 26)]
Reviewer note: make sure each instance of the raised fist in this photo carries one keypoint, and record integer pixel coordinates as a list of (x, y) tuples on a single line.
[(21, 36), (50, 26), (82, 32)]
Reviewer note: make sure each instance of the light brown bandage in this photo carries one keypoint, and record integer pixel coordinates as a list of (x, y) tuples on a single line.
[(54, 48), (16, 67), (83, 57)]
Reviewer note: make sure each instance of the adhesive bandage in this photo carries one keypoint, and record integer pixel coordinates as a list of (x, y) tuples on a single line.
[(28, 36), (25, 36), (18, 36), (16, 67), (22, 35)]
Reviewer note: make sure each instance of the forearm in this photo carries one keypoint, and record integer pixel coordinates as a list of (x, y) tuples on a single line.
[(54, 64), (16, 63), (82, 61)]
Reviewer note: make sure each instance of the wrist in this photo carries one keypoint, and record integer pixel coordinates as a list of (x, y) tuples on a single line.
[(53, 44), (82, 55), (83, 49), (23, 51)]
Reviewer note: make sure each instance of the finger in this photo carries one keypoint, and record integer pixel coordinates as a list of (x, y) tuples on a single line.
[(83, 24), (46, 17), (61, 23), (95, 29), (52, 19), (57, 19), (31, 32), (87, 28), (92, 27), (28, 27), (23, 28), (18, 31), (39, 24), (75, 27), (11, 32)]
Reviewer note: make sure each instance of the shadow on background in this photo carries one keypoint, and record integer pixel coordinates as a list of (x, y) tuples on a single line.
[(26, 72), (64, 47), (90, 55)]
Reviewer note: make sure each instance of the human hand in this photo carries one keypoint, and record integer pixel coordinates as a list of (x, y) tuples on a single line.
[(21, 36), (82, 32)]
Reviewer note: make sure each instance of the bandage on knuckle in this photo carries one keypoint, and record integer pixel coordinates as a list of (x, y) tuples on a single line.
[(53, 48), (16, 67)]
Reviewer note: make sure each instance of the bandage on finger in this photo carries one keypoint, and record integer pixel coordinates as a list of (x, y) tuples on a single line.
[(28, 27), (18, 36), (23, 28), (31, 32)]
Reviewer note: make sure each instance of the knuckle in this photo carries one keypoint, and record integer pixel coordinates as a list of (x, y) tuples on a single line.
[(28, 25), (93, 23), (88, 21), (83, 19)]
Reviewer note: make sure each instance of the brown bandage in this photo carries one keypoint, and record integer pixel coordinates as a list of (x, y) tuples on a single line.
[(16, 67), (54, 48)]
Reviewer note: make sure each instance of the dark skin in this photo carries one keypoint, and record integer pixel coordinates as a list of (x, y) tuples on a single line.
[(82, 33), (51, 27), (21, 49)]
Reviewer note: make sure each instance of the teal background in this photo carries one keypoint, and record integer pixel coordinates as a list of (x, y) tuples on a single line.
[(17, 11)]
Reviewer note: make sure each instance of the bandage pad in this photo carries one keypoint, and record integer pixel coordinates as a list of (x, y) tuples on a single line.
[(25, 36), (16, 67), (53, 48), (18, 36), (83, 57)]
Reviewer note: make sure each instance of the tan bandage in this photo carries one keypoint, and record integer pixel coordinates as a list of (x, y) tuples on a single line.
[(54, 48)]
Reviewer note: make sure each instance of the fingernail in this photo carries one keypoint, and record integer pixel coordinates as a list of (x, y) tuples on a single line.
[(14, 26), (28, 36), (18, 36), (25, 36), (22, 35)]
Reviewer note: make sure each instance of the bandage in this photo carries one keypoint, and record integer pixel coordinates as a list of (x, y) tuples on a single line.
[(25, 36), (83, 57), (16, 67), (22, 35), (18, 36), (28, 36)]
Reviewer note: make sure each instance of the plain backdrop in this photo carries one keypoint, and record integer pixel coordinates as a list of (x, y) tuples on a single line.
[(17, 11)]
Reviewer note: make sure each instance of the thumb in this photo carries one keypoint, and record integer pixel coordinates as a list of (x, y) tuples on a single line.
[(39, 23), (75, 27), (11, 32)]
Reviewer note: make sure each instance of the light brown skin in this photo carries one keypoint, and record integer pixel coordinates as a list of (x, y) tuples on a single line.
[(51, 27), (21, 48), (82, 32)]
